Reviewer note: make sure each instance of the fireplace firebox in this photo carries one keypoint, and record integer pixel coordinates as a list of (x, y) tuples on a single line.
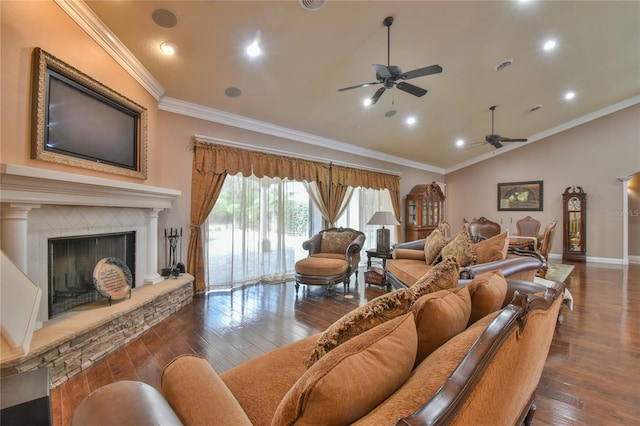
[(71, 264)]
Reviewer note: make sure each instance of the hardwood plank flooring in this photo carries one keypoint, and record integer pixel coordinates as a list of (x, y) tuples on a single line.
[(591, 377)]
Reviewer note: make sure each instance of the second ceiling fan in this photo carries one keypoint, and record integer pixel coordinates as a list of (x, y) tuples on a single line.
[(389, 75), (495, 139)]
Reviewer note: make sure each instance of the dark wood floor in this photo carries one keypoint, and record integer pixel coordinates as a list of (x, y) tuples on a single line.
[(592, 375)]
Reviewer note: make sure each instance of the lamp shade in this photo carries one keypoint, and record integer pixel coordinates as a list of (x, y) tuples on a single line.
[(383, 218)]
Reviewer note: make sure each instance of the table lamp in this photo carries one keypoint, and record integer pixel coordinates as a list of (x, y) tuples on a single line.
[(383, 239)]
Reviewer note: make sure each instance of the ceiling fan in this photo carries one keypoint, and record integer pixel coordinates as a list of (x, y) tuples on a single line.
[(388, 75), (495, 139)]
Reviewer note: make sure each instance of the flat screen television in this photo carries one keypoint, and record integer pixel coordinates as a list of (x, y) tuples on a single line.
[(80, 122)]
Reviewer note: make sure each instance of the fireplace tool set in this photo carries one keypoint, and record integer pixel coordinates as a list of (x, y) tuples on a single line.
[(175, 267)]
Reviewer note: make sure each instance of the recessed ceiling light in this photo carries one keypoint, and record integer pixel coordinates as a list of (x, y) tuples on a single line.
[(569, 95), (460, 142), (168, 48), (411, 121), (366, 102), (254, 49), (549, 45)]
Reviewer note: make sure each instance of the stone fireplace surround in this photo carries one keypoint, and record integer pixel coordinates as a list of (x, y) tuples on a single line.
[(38, 204)]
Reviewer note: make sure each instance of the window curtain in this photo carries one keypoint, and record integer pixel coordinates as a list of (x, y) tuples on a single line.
[(212, 163)]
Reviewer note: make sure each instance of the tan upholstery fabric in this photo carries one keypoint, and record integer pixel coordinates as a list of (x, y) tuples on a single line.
[(375, 312), (336, 242), (408, 254), (278, 370), (426, 379), (321, 265), (434, 243), (494, 248), (409, 271), (353, 378), (440, 277), (461, 248), (440, 316), (208, 399), (487, 292)]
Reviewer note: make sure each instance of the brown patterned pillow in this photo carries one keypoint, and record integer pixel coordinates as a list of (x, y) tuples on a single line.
[(494, 248), (432, 246), (336, 242), (460, 247), (440, 277), (381, 309)]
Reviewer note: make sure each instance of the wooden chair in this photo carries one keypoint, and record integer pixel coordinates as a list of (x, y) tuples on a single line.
[(334, 255), (528, 227), (483, 228), (545, 245)]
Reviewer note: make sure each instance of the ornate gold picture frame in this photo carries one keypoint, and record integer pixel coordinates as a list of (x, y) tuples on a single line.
[(520, 196), (78, 121)]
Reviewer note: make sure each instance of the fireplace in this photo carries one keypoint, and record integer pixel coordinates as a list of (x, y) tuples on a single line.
[(71, 264)]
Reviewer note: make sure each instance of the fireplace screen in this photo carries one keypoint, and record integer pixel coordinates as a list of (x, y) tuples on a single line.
[(71, 264)]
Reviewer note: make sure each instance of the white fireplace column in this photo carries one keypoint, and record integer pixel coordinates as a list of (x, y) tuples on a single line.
[(152, 276), (15, 217)]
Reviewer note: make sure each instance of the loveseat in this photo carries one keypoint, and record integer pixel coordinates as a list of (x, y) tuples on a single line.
[(412, 260), (423, 355)]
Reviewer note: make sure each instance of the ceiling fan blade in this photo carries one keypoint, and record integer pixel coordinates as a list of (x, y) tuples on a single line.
[(512, 140), (497, 144), (358, 86), (382, 70), (420, 72), (410, 88), (377, 95)]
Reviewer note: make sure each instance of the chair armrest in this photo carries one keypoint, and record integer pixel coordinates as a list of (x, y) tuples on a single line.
[(313, 244), (414, 245), (355, 246)]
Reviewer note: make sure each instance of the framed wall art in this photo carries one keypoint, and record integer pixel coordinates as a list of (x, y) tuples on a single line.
[(520, 196), (78, 121)]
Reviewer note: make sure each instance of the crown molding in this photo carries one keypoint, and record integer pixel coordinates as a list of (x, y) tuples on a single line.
[(210, 114), (102, 35)]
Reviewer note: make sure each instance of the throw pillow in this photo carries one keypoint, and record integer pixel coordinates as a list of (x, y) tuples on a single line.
[(336, 242), (352, 379), (442, 276), (440, 316), (488, 292), (461, 248), (491, 249), (381, 309), (433, 244)]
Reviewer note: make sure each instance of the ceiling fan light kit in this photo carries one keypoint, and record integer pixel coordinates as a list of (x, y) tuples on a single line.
[(389, 75)]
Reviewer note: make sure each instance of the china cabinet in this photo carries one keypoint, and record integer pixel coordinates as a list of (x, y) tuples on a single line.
[(424, 210), (574, 204)]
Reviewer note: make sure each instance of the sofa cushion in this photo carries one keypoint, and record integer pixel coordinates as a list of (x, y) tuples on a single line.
[(354, 378), (375, 312), (434, 243), (336, 242), (491, 249), (488, 292), (408, 271), (442, 276), (426, 378), (208, 396), (322, 265), (460, 247), (440, 316)]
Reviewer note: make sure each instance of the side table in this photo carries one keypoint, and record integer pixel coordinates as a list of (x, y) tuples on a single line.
[(384, 255)]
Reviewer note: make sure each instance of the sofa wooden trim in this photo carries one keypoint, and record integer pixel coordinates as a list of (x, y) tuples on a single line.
[(442, 408)]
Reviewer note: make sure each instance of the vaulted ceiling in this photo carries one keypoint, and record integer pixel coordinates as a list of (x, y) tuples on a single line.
[(308, 55)]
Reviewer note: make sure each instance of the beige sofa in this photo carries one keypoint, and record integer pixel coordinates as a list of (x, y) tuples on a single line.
[(412, 356), (412, 260)]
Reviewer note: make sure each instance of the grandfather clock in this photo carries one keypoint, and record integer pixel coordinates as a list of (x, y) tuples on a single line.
[(574, 204)]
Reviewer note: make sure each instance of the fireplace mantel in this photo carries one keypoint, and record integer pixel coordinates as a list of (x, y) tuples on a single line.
[(30, 185)]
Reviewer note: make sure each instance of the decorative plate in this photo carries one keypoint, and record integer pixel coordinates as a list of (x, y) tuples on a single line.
[(112, 278)]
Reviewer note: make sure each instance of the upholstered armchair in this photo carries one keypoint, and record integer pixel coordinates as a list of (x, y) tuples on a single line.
[(334, 255)]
